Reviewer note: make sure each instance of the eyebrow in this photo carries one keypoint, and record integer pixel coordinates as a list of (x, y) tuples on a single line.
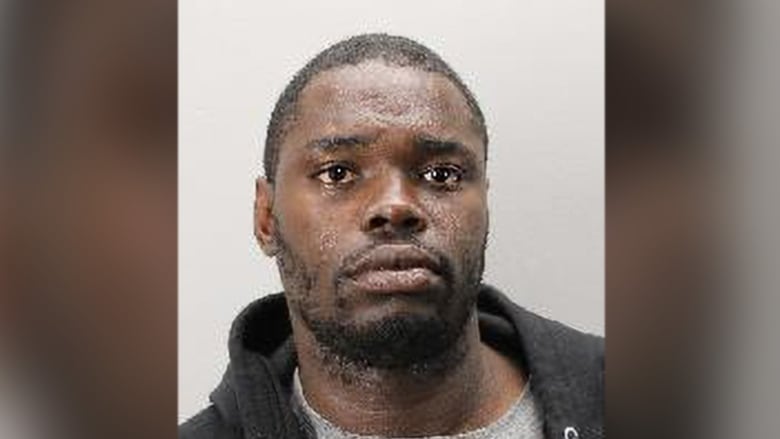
[(432, 145), (339, 142), (424, 143)]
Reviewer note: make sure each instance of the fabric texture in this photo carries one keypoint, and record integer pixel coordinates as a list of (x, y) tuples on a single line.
[(521, 421), (254, 399)]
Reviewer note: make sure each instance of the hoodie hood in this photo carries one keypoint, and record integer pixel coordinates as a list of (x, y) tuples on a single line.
[(253, 399)]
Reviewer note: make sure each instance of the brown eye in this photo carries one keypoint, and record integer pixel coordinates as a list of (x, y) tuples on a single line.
[(442, 175), (335, 174)]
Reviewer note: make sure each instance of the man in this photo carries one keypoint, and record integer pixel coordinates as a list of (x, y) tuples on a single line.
[(374, 203)]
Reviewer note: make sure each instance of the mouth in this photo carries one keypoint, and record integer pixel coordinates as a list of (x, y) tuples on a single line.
[(393, 269)]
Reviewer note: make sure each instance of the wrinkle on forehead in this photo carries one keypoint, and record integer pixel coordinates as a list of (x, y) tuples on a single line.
[(376, 94)]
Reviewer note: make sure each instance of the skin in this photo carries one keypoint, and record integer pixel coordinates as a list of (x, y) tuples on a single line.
[(388, 189)]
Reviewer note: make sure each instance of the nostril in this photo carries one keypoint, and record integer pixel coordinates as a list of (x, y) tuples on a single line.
[(399, 218), (410, 223), (377, 222)]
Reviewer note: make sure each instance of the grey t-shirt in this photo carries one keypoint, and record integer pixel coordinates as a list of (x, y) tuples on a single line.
[(522, 421)]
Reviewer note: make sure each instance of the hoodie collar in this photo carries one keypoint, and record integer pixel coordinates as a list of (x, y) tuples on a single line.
[(254, 395)]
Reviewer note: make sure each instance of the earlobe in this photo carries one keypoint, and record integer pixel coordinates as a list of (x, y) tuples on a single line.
[(264, 221)]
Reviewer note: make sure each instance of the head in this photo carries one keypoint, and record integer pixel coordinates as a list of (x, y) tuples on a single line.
[(375, 202)]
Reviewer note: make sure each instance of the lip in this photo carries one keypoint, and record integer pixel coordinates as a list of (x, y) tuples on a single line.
[(395, 268), (393, 258)]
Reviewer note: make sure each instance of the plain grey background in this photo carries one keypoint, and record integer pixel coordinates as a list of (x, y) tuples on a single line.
[(537, 69)]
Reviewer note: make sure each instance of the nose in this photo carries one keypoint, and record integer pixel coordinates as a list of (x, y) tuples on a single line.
[(394, 211)]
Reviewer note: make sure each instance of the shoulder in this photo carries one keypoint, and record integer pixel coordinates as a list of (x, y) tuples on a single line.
[(536, 330), (207, 424), (557, 346), (565, 365), (560, 337), (547, 347)]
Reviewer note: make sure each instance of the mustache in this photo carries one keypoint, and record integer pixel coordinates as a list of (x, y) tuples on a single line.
[(443, 262)]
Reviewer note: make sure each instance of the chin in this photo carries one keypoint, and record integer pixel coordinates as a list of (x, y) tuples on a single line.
[(389, 337), (400, 308)]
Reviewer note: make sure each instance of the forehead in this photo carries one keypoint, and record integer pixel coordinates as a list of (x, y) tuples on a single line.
[(373, 97)]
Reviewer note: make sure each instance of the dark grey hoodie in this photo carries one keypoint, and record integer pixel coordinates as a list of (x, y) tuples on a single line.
[(253, 400)]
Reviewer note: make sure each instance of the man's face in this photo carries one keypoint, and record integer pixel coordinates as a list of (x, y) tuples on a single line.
[(380, 213)]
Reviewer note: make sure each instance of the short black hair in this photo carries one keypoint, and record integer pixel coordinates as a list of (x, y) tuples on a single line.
[(394, 50)]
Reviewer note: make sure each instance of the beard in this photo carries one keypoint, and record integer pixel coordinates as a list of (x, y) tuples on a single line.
[(404, 341), (410, 342)]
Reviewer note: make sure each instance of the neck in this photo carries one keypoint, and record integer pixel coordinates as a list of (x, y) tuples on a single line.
[(476, 390)]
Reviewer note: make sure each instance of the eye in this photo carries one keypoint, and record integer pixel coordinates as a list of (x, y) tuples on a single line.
[(336, 174), (443, 175)]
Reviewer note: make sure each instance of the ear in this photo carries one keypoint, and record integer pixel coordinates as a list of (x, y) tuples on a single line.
[(264, 220)]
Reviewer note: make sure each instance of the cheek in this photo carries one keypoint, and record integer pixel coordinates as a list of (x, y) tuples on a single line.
[(462, 221), (309, 227)]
